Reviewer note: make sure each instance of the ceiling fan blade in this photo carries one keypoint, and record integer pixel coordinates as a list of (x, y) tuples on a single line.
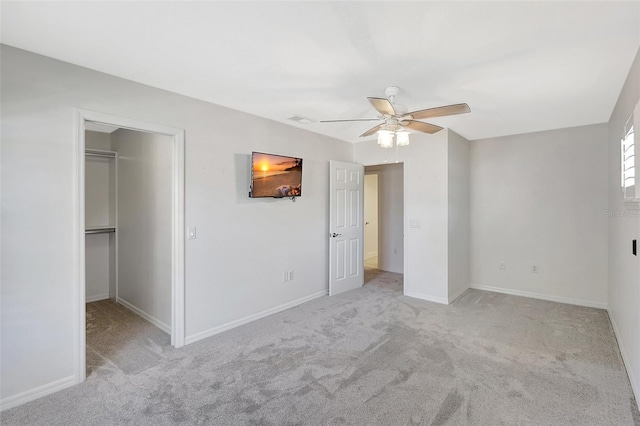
[(382, 105), (371, 131), (420, 126), (440, 111), (355, 119)]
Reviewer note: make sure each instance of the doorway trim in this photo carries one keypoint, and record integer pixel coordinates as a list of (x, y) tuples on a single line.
[(405, 245), (177, 227)]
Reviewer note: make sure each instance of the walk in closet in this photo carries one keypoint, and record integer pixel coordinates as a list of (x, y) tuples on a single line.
[(128, 211), (101, 224)]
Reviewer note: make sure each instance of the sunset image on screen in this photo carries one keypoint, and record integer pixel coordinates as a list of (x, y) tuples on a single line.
[(276, 175)]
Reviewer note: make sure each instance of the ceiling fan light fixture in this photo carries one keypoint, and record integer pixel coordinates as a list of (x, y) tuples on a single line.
[(385, 138), (402, 138)]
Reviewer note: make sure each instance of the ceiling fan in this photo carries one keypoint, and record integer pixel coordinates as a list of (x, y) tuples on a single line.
[(395, 116)]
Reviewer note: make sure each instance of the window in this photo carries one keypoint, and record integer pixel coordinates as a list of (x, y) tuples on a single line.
[(629, 161)]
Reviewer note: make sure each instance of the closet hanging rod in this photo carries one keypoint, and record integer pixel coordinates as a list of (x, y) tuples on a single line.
[(104, 230), (97, 153)]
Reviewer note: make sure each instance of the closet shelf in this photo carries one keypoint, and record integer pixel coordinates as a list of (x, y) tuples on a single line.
[(100, 153), (99, 229)]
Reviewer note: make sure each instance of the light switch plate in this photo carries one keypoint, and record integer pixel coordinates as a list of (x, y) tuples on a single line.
[(191, 233)]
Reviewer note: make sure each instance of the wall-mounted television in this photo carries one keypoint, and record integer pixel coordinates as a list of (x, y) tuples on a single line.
[(275, 176)]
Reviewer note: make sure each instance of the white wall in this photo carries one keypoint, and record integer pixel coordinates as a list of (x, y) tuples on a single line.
[(426, 193), (233, 268), (144, 222), (540, 198), (624, 226), (390, 216), (459, 214)]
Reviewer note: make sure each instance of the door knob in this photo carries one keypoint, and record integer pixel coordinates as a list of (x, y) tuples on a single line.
[(335, 235)]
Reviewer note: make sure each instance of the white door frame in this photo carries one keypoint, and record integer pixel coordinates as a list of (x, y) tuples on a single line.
[(405, 246), (177, 227)]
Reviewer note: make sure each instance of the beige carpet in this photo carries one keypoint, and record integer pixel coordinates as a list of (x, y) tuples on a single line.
[(371, 356)]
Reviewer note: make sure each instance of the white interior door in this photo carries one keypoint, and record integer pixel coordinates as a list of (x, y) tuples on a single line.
[(346, 185)]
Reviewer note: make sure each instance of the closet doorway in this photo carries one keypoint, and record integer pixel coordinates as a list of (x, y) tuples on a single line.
[(131, 241), (384, 220), (371, 225)]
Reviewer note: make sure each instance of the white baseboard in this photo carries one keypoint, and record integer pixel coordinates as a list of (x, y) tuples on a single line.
[(38, 392), (96, 297), (233, 324), (153, 320), (442, 300), (625, 358), (551, 298), (458, 294)]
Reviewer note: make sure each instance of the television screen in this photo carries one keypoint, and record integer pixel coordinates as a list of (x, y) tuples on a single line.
[(275, 176)]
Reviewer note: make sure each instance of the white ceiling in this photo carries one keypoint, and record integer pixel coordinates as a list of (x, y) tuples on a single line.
[(521, 66)]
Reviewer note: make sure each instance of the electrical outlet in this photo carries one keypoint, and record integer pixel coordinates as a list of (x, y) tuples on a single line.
[(290, 277), (502, 265), (534, 269), (285, 276)]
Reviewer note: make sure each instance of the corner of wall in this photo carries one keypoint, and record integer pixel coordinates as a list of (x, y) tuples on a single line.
[(458, 215), (635, 386), (455, 296), (623, 284), (38, 392)]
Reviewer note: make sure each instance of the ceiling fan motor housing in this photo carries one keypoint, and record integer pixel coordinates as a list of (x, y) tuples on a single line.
[(391, 91), (391, 124)]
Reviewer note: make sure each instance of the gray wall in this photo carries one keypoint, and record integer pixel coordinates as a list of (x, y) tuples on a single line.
[(436, 231), (390, 216), (540, 198), (426, 203), (97, 140), (624, 226), (144, 222), (234, 267), (459, 214)]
